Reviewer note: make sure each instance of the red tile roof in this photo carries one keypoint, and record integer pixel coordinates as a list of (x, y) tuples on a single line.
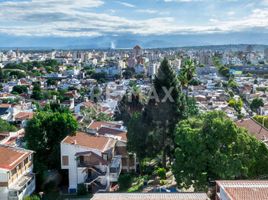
[(256, 129), (10, 157), (245, 189), (24, 116), (150, 196), (90, 141), (5, 105)]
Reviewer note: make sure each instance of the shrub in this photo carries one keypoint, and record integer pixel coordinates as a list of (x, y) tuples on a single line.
[(33, 197), (124, 181), (81, 189), (161, 172)]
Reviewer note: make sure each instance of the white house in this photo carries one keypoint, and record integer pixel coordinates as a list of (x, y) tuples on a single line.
[(90, 160)]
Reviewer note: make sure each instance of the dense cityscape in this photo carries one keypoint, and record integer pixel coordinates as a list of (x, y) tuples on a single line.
[(84, 122)]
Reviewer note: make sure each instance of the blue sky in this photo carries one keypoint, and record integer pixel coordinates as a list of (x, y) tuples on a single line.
[(143, 18)]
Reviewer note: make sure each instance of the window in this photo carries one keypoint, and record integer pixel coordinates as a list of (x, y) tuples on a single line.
[(105, 156), (65, 160)]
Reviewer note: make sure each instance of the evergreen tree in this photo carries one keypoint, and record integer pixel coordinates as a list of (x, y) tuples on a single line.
[(165, 107)]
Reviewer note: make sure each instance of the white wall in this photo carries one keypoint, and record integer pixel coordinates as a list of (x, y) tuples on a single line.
[(70, 150), (3, 193), (3, 176)]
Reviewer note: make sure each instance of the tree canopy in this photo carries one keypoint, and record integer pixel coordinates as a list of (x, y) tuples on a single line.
[(256, 104), (6, 127), (43, 135), (212, 147)]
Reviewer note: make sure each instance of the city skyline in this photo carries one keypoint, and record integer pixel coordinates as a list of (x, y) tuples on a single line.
[(154, 23)]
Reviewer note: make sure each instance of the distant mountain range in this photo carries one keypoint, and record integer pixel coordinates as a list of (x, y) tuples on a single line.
[(128, 41)]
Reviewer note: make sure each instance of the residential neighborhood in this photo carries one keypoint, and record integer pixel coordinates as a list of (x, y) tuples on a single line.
[(93, 100)]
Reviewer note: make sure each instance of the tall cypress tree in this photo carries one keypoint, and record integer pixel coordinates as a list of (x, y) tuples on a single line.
[(165, 107)]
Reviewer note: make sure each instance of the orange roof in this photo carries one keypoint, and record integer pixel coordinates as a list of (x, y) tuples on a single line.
[(5, 105), (10, 157), (247, 193), (24, 115), (90, 141), (254, 128)]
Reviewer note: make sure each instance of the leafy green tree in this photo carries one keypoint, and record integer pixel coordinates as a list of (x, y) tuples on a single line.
[(232, 84), (17, 74), (186, 76), (138, 137), (212, 147), (37, 93), (216, 61), (19, 89), (187, 73), (133, 101), (236, 104), (6, 127), (224, 71), (256, 104), (3, 76), (43, 135), (51, 82), (161, 172), (100, 77), (128, 73)]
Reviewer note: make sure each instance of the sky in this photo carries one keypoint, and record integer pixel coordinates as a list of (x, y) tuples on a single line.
[(103, 22)]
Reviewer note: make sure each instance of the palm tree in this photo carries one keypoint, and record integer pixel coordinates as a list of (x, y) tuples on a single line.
[(187, 73)]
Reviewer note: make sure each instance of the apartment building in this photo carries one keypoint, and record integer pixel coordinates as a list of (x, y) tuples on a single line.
[(16, 177)]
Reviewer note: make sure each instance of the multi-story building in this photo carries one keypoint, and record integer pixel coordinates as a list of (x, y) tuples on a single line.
[(118, 132), (97, 157), (16, 177)]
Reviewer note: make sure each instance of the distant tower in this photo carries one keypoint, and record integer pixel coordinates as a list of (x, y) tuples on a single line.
[(137, 51), (112, 45)]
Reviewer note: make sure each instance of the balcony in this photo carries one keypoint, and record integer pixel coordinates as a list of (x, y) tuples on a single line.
[(115, 168), (23, 187)]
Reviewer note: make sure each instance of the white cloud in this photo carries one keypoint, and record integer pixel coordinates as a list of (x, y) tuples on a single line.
[(126, 4), (148, 11), (182, 0), (68, 18)]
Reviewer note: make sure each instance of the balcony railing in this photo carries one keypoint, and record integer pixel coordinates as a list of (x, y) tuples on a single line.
[(25, 186)]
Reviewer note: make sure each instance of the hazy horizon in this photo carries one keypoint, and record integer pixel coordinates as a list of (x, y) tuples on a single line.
[(124, 23)]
